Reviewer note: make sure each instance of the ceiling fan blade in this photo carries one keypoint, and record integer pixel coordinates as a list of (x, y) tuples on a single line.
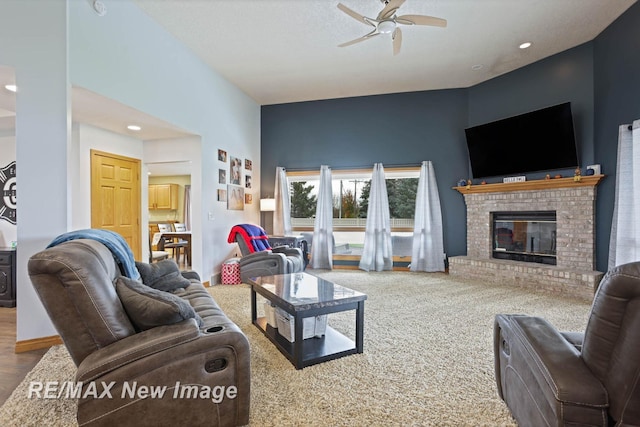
[(421, 20), (355, 15), (389, 9), (360, 39), (397, 40)]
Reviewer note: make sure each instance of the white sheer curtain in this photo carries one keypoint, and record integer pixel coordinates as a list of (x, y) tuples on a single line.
[(428, 241), (322, 243), (282, 214), (377, 252), (624, 246)]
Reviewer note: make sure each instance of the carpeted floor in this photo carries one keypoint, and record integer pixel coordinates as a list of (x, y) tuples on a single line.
[(428, 358)]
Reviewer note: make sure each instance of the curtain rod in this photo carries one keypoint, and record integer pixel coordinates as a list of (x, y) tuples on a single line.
[(406, 165)]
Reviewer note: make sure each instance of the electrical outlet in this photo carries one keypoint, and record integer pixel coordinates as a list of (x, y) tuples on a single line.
[(595, 168), (211, 217)]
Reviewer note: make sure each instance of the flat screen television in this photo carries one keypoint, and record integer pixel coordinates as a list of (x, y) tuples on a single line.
[(540, 140)]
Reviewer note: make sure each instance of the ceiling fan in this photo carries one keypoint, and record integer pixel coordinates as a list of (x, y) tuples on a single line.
[(387, 22)]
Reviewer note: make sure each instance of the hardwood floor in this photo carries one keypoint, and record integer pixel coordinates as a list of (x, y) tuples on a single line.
[(13, 367)]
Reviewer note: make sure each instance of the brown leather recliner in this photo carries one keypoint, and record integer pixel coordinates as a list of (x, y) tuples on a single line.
[(204, 369), (552, 378)]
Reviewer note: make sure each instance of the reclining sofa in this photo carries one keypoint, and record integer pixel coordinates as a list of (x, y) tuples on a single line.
[(552, 378), (117, 331)]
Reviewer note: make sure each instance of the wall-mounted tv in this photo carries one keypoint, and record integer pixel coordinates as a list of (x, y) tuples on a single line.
[(541, 140)]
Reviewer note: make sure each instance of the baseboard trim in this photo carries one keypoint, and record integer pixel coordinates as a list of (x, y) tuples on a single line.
[(345, 267), (216, 279), (37, 343)]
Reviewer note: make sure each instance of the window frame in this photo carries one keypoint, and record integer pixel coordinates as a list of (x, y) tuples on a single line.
[(390, 173)]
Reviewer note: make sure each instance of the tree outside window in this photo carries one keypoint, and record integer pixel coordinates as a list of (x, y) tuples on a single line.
[(303, 202)]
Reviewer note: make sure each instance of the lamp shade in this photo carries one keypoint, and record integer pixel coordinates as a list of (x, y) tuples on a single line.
[(267, 205)]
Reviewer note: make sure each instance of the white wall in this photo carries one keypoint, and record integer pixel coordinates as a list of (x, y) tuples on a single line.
[(131, 59), (128, 57), (84, 139), (33, 40)]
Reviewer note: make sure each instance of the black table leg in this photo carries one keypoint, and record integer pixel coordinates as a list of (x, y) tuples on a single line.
[(298, 343), (254, 311), (360, 327)]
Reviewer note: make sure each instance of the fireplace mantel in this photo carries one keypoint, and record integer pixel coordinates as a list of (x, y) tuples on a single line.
[(539, 184)]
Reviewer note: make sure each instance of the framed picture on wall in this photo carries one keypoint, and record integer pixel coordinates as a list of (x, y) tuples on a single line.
[(235, 198), (248, 164), (222, 155), (222, 176), (247, 181), (222, 195), (248, 198), (234, 170)]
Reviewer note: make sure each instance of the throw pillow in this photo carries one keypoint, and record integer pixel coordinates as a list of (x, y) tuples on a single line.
[(163, 275), (148, 308)]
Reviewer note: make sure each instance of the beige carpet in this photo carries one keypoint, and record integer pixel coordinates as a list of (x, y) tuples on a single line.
[(428, 358)]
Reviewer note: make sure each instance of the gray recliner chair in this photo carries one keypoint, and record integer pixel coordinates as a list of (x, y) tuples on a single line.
[(553, 378), (259, 258)]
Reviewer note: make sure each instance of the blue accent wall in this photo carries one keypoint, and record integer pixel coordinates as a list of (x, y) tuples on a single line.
[(564, 77), (617, 102), (396, 129), (600, 78)]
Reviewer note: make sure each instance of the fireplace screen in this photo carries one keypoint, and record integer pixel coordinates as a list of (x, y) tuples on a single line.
[(525, 236)]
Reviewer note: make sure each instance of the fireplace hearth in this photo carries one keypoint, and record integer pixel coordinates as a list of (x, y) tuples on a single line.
[(553, 250)]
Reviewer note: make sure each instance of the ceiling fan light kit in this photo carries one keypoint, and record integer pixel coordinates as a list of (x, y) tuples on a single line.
[(387, 22), (386, 27)]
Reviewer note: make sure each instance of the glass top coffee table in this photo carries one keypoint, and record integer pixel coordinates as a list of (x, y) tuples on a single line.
[(302, 295)]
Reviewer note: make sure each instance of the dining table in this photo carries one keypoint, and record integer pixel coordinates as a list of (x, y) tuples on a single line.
[(183, 235)]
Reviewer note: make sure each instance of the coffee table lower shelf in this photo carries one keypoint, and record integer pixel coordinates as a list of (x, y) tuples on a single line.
[(315, 350)]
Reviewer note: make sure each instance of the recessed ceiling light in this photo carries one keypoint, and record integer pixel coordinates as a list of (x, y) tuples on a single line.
[(134, 127), (12, 88), (525, 45), (477, 67)]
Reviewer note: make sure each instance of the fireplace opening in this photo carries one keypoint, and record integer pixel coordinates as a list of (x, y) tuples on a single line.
[(528, 236)]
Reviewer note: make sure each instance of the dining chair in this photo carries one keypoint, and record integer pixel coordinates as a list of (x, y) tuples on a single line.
[(179, 226), (156, 255), (175, 245), (182, 227)]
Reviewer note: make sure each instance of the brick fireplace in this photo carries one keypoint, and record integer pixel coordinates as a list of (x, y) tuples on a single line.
[(574, 204)]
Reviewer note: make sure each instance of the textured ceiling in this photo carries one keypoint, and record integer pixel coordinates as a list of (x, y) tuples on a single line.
[(280, 51)]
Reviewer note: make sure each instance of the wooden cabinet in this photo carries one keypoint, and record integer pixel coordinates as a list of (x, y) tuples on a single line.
[(163, 196), (7, 277)]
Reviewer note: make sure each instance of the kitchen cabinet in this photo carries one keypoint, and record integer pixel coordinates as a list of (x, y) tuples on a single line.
[(163, 196)]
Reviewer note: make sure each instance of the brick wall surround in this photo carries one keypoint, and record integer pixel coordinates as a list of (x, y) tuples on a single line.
[(574, 203)]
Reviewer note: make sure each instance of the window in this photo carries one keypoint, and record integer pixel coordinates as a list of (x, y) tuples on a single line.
[(351, 200)]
